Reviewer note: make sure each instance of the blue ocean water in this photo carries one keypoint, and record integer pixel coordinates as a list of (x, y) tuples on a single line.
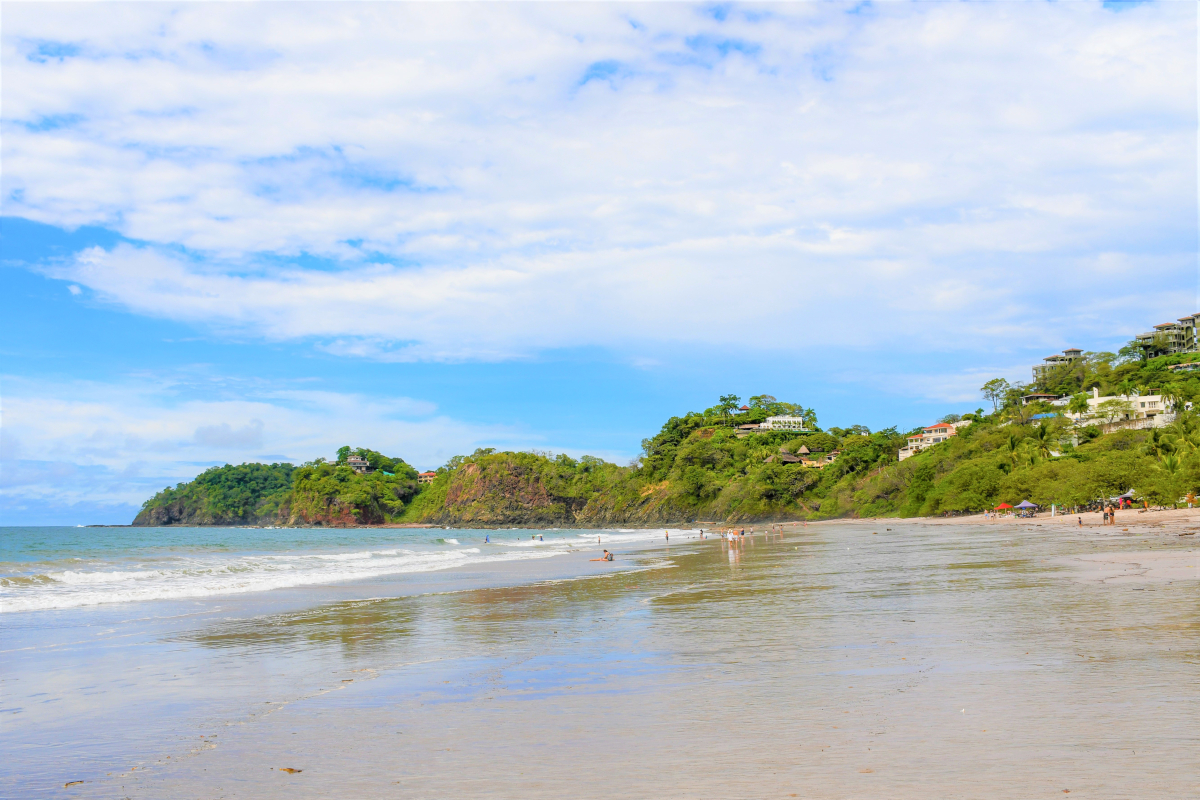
[(65, 567)]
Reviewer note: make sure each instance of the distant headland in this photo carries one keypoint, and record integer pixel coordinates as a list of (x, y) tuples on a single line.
[(1090, 426)]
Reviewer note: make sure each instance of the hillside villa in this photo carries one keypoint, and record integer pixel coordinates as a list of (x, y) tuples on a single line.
[(426, 477), (931, 436), (358, 464), (1050, 362), (1176, 337), (1124, 407), (784, 422)]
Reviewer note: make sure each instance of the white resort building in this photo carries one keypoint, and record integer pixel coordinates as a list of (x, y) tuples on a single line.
[(783, 423), (932, 435), (1122, 408), (359, 464)]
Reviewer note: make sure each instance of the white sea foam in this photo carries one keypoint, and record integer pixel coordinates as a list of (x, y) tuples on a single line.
[(207, 574), (210, 576)]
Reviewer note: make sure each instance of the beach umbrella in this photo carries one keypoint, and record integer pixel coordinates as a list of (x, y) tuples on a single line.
[(1002, 506), (1026, 504)]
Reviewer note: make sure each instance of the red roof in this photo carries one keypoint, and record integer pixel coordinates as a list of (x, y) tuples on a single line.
[(423, 474), (940, 425), (744, 408)]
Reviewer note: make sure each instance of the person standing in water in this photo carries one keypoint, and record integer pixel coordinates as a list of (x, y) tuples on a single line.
[(668, 535), (487, 539)]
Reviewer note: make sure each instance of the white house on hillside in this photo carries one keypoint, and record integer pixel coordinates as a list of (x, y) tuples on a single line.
[(931, 436), (783, 423), (1121, 407)]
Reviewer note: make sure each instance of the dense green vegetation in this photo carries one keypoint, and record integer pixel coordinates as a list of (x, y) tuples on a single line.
[(703, 466), (317, 492), (229, 495), (989, 463)]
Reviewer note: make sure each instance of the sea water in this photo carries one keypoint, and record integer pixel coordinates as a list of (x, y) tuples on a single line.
[(43, 568)]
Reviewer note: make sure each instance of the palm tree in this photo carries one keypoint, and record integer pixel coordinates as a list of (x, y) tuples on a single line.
[(1126, 387), (1014, 444), (1044, 440), (1078, 404), (1170, 491), (728, 404), (1172, 397), (1158, 445), (1188, 440)]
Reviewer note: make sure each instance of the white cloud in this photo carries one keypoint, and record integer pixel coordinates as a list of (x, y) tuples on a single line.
[(916, 175), (119, 443)]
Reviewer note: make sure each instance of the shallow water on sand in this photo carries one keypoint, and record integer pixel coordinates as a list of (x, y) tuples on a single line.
[(828, 662)]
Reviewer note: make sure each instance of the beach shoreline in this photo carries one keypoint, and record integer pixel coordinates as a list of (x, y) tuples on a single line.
[(847, 659)]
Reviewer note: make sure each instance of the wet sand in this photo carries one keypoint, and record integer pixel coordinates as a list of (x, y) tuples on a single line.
[(842, 660)]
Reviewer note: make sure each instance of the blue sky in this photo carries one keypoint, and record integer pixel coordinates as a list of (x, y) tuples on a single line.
[(240, 232)]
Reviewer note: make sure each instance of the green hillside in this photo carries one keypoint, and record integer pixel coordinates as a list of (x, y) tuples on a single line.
[(705, 467)]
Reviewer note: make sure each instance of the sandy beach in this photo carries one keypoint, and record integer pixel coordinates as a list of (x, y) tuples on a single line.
[(914, 659)]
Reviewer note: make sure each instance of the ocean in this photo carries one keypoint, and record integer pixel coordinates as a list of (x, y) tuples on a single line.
[(44, 568)]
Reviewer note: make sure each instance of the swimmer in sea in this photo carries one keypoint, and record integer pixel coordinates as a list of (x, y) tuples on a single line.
[(487, 539)]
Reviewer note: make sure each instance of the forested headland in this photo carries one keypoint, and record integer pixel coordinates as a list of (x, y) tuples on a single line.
[(705, 466)]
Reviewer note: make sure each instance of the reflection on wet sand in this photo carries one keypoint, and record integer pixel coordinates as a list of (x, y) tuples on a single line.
[(357, 627), (830, 662)]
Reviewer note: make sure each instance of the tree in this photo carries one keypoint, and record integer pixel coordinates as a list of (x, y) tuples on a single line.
[(1078, 404), (1164, 483), (995, 390), (761, 400), (1044, 440), (728, 404), (1014, 446), (1112, 408), (1172, 397), (1131, 352), (343, 453), (1158, 445)]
